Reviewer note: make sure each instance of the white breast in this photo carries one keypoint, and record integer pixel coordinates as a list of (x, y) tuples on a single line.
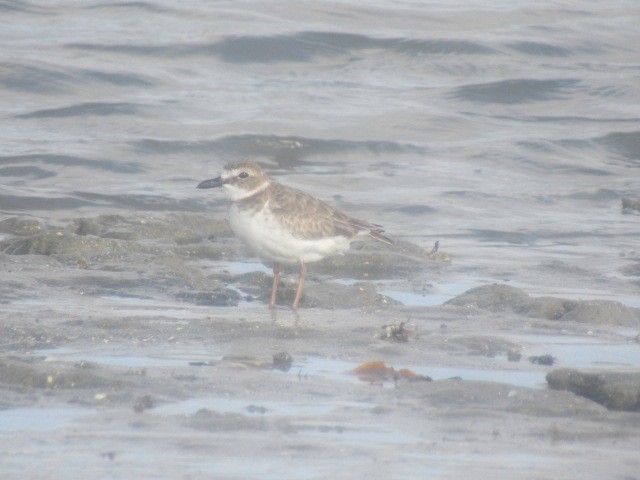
[(270, 241)]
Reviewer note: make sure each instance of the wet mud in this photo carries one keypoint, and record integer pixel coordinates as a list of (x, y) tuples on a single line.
[(161, 330), (135, 338)]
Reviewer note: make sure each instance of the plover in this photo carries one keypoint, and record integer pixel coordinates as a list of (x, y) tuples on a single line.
[(286, 225)]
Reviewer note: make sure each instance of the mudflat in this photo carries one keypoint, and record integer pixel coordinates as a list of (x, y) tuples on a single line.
[(123, 355)]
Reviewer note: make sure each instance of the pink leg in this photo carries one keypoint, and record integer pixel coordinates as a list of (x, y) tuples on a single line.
[(303, 274), (274, 288)]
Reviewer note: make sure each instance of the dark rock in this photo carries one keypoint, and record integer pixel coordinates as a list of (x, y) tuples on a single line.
[(256, 409), (602, 312), (616, 391), (24, 376), (376, 260), (179, 228), (472, 395), (495, 298), (282, 361), (21, 226), (547, 307), (143, 403), (115, 234), (58, 242), (504, 298), (542, 359), (514, 354), (210, 363)]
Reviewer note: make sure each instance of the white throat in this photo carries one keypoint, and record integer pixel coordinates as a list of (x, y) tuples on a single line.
[(236, 193)]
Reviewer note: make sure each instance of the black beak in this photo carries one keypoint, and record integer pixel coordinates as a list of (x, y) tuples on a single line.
[(211, 183)]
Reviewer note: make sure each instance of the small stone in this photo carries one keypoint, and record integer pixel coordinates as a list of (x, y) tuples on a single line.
[(514, 355), (543, 359)]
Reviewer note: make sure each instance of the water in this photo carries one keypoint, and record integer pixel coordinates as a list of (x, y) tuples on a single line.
[(508, 131), (440, 295), (34, 420), (510, 137), (569, 351)]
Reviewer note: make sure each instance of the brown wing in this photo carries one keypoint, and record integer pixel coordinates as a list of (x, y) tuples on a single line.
[(293, 208)]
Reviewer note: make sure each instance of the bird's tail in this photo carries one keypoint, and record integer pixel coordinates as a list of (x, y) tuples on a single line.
[(377, 235)]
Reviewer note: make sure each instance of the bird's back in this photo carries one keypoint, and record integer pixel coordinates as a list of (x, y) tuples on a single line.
[(309, 218)]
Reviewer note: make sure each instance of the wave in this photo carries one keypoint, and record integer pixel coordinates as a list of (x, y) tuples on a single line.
[(295, 47), (85, 109), (279, 148), (515, 91), (57, 80), (71, 161)]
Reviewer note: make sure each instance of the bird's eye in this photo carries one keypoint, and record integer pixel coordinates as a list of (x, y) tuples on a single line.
[(243, 175)]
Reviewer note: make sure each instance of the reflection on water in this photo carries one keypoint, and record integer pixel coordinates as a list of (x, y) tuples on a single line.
[(33, 419), (175, 358), (256, 408), (582, 352), (437, 295), (341, 370)]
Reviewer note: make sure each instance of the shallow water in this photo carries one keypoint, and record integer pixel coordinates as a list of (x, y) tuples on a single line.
[(583, 352), (485, 132), (37, 419), (568, 351), (508, 131)]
